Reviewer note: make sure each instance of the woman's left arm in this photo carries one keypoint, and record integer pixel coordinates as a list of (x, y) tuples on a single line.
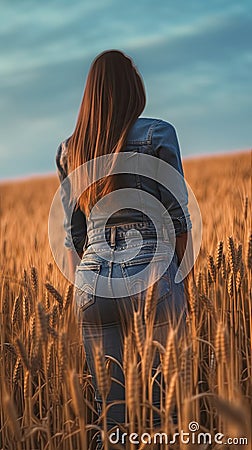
[(175, 200), (182, 241), (175, 196)]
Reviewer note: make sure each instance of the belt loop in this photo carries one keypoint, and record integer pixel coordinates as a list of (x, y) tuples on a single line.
[(85, 243), (165, 234), (113, 237)]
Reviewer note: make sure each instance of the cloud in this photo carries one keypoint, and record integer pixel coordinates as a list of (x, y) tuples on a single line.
[(196, 66)]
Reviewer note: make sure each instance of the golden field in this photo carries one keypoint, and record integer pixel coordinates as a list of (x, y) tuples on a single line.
[(46, 393)]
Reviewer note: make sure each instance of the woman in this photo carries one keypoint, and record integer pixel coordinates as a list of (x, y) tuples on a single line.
[(125, 218)]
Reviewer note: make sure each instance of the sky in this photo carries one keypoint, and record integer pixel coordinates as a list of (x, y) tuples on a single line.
[(195, 58)]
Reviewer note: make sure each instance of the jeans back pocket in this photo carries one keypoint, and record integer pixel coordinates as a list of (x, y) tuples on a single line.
[(157, 278), (86, 277)]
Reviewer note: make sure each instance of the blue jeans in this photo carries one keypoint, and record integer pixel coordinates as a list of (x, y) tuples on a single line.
[(108, 318)]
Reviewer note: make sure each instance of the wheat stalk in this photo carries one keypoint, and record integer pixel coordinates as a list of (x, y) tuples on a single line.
[(26, 308), (246, 208), (132, 387), (222, 343), (231, 285), (68, 297), (15, 310), (53, 291), (219, 254), (22, 353), (12, 416), (62, 356), (211, 268), (169, 360), (42, 323), (231, 254), (34, 280), (249, 253), (139, 331), (103, 379)]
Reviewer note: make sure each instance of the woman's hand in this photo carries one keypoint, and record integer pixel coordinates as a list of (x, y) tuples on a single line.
[(73, 260)]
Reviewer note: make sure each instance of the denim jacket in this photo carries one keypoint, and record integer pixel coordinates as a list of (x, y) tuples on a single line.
[(148, 136)]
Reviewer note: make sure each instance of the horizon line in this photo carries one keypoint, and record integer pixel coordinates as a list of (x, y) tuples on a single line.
[(193, 156)]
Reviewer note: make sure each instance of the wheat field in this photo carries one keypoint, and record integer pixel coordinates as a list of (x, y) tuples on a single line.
[(46, 391)]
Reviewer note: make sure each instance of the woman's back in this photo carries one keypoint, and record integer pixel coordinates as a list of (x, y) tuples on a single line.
[(136, 169), (138, 193)]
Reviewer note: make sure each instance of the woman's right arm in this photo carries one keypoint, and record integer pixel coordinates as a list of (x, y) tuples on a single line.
[(73, 260), (74, 220)]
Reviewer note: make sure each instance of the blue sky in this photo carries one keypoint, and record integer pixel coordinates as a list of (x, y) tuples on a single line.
[(195, 58)]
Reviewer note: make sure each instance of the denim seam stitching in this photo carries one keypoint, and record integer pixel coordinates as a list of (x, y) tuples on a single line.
[(151, 129)]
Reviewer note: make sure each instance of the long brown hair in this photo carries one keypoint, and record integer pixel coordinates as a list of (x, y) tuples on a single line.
[(113, 99)]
